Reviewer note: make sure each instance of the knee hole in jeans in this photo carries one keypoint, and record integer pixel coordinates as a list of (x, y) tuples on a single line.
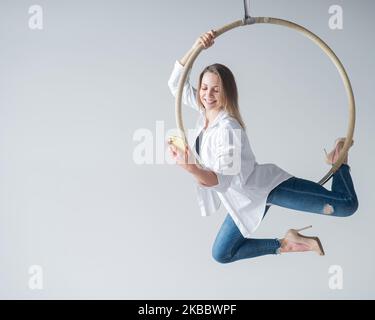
[(328, 209)]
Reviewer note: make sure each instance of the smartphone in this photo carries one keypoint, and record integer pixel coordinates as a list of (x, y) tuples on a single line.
[(177, 142)]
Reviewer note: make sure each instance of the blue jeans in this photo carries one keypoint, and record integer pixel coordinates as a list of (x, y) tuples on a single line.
[(294, 193)]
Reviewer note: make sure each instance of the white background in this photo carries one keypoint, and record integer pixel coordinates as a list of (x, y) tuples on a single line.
[(73, 200)]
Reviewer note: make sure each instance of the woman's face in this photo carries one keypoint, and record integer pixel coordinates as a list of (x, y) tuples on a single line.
[(210, 91)]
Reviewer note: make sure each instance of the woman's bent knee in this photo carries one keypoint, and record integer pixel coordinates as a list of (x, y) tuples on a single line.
[(354, 207), (349, 209), (220, 256)]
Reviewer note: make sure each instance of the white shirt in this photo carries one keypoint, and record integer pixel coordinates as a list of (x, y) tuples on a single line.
[(243, 184)]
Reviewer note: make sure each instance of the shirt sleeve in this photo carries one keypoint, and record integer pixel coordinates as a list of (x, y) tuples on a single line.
[(189, 93), (227, 162)]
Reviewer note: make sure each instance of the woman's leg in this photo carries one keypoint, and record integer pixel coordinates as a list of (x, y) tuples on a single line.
[(230, 245), (304, 195)]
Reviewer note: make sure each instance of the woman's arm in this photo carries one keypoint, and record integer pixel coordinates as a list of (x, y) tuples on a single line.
[(189, 93), (204, 177), (184, 159), (186, 57)]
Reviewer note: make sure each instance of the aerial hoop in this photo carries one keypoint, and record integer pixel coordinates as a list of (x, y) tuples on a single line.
[(250, 21)]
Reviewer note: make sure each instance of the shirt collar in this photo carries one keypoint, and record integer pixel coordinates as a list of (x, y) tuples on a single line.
[(221, 115)]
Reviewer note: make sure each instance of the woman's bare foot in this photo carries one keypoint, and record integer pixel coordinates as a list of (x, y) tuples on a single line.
[(338, 148), (296, 242), (290, 246), (332, 157)]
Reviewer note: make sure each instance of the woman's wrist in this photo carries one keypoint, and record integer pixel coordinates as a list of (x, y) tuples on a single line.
[(192, 168)]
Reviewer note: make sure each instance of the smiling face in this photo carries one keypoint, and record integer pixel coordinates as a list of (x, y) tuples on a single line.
[(210, 91), (218, 90)]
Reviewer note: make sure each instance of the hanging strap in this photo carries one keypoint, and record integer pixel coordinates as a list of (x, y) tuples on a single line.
[(248, 19)]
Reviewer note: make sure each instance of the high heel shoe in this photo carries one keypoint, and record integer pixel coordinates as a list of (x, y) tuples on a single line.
[(313, 243), (332, 157)]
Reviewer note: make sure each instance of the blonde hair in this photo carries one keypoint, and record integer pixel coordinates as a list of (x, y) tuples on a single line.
[(229, 92)]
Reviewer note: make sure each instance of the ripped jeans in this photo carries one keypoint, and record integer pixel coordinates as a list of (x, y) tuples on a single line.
[(294, 193)]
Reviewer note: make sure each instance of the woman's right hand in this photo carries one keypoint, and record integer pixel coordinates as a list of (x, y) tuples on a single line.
[(206, 39)]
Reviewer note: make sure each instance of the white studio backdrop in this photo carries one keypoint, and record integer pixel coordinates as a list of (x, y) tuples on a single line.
[(77, 208)]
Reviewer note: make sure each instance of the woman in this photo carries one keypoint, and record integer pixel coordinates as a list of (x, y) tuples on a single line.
[(229, 173)]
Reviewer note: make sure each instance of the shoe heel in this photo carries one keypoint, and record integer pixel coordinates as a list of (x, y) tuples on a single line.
[(320, 246), (298, 230)]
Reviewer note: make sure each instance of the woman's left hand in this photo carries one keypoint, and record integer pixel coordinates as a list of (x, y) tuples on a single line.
[(182, 158)]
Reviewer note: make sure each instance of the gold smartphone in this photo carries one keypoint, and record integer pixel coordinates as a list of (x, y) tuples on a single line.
[(177, 142)]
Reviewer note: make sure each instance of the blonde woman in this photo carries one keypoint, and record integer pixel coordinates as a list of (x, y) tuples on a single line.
[(229, 173)]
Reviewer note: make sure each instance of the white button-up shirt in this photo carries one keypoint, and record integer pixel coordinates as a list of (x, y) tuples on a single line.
[(243, 184)]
